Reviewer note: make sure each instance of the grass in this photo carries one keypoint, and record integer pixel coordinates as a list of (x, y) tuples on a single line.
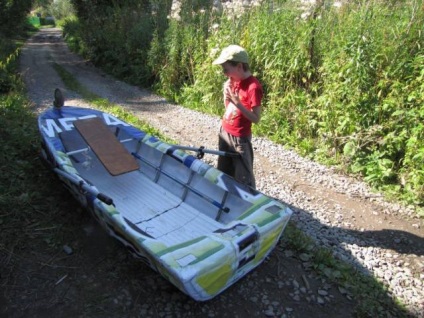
[(27, 201), (28, 208), (35, 205), (349, 97), (371, 295)]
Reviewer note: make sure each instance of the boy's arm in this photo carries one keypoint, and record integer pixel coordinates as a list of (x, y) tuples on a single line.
[(254, 115)]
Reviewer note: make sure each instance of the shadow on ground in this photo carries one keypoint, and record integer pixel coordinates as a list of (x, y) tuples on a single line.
[(60, 263)]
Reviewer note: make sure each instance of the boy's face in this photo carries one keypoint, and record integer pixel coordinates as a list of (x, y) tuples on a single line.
[(232, 72)]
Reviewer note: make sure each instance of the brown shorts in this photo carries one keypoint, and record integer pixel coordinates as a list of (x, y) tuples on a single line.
[(240, 168)]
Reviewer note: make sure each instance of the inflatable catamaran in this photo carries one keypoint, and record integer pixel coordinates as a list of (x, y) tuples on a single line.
[(192, 223)]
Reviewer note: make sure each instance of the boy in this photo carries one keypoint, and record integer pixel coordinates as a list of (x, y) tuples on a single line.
[(242, 99)]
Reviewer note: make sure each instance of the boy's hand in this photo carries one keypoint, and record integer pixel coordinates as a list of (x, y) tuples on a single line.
[(232, 97)]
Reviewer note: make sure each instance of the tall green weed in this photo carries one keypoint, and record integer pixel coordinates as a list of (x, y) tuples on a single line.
[(117, 38), (182, 49), (8, 61), (342, 86)]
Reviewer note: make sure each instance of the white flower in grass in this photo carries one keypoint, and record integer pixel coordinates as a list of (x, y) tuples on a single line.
[(309, 2), (305, 15), (175, 10), (214, 28), (214, 52)]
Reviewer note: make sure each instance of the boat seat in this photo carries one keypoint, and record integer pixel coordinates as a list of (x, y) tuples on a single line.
[(111, 153), (73, 141)]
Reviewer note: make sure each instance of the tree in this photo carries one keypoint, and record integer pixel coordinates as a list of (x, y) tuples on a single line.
[(61, 9), (13, 13)]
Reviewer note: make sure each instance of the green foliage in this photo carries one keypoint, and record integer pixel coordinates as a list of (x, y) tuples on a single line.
[(18, 131), (114, 35), (13, 16), (71, 30), (343, 86), (382, 138), (183, 47), (9, 53), (61, 9), (23, 191)]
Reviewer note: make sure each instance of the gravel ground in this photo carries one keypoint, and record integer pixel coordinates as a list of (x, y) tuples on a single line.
[(339, 212)]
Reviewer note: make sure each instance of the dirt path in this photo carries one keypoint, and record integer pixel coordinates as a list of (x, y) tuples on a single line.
[(339, 212)]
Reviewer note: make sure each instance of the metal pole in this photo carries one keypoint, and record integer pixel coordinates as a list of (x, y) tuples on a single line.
[(201, 150)]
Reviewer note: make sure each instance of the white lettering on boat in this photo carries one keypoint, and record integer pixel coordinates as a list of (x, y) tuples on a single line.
[(51, 127), (67, 122)]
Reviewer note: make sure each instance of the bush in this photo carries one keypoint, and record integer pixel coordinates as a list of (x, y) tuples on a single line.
[(8, 59), (343, 86)]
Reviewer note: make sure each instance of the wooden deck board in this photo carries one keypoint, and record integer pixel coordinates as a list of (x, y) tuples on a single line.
[(111, 153)]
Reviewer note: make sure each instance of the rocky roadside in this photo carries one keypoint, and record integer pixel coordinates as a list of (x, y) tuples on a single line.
[(339, 212)]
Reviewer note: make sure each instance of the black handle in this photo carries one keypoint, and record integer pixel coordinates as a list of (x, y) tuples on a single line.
[(104, 198)]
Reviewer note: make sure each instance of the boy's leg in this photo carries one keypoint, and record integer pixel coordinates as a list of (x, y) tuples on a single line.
[(244, 164), (225, 164)]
